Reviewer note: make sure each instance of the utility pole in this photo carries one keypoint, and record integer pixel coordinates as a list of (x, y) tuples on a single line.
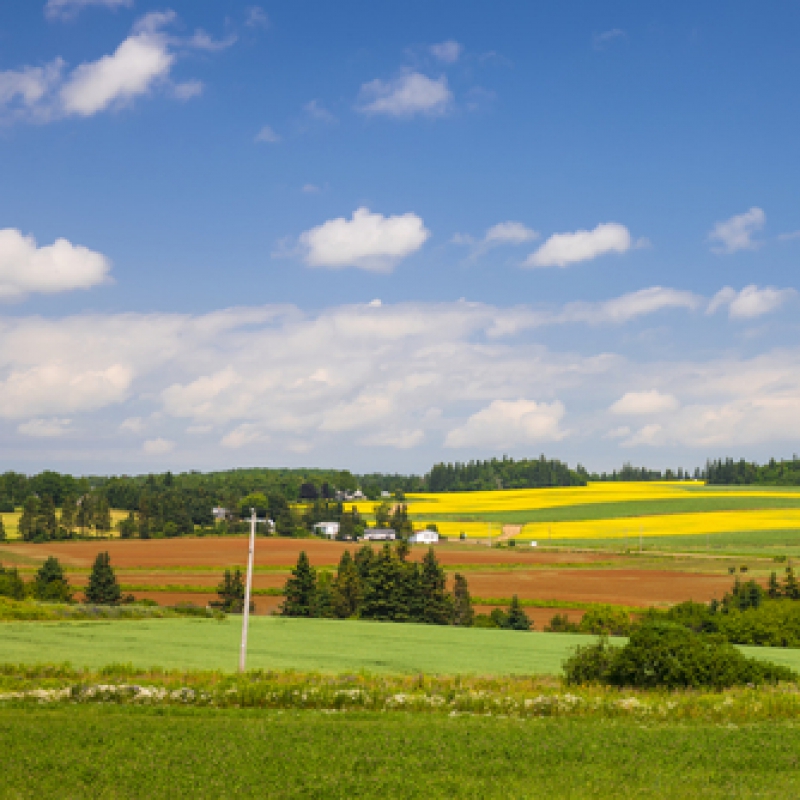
[(248, 588)]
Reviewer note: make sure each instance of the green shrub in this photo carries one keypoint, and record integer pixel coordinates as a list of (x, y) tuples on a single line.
[(606, 621), (665, 655), (560, 623)]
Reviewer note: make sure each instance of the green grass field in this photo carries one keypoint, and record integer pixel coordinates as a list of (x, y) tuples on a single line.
[(123, 752), (307, 645)]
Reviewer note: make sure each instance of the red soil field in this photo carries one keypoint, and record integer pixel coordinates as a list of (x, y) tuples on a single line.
[(232, 551)]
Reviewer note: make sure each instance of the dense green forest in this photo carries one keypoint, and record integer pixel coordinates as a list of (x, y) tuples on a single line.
[(775, 473)]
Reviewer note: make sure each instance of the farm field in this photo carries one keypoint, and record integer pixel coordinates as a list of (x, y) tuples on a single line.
[(143, 753), (308, 645)]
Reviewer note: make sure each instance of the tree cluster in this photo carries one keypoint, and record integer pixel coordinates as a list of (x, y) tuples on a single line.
[(773, 473), (48, 585), (379, 585), (505, 473)]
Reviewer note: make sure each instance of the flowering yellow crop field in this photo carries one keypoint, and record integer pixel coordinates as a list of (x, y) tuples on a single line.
[(467, 503), (704, 522)]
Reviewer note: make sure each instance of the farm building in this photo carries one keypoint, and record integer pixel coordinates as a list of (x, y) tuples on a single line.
[(379, 535), (424, 537), (329, 529)]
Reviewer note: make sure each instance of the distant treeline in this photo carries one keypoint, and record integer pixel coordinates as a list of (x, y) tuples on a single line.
[(774, 473)]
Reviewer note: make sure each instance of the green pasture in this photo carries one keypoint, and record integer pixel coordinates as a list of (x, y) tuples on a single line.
[(332, 646), (774, 543), (114, 752)]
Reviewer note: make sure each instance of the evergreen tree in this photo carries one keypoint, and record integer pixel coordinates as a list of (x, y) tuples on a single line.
[(347, 590), (103, 588), (46, 519), (11, 585), (27, 520), (791, 587), (773, 587), (517, 619), (322, 604), (69, 511), (384, 595), (363, 561), (231, 593), (463, 615), (437, 605), (300, 589), (50, 583)]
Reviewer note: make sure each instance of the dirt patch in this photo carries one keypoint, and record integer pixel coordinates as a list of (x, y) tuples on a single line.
[(509, 532)]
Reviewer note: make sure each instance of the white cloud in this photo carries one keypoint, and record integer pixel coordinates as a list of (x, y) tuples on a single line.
[(509, 233), (244, 436), (133, 425), (788, 237), (510, 423), (188, 89), (648, 402), (68, 9), (618, 433), (651, 434), (405, 96), (367, 241), (750, 302), (602, 40), (158, 447), (562, 249), (61, 266), (136, 65), (401, 440), (256, 18), (449, 52), (310, 188), (141, 63), (45, 428), (737, 232), (316, 111), (267, 134)]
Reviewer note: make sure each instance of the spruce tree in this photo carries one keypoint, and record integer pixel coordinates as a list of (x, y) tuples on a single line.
[(363, 561), (50, 583), (463, 614), (322, 604), (11, 585), (517, 619), (437, 606), (103, 588), (773, 587), (347, 591), (231, 593), (791, 587), (300, 589), (384, 595)]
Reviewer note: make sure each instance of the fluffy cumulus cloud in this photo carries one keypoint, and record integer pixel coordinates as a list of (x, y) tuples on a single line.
[(68, 9), (408, 95), (140, 64), (737, 233), (509, 233), (509, 423), (750, 302), (648, 402), (25, 267), (276, 384), (368, 241), (563, 249)]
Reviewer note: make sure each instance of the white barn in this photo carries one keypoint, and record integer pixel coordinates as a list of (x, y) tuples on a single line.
[(379, 535), (329, 529), (424, 537)]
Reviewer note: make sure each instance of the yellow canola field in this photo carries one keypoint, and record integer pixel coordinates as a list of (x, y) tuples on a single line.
[(707, 522), (466, 503)]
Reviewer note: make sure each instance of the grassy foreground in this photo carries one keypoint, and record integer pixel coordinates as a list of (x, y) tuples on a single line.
[(308, 645), (111, 751)]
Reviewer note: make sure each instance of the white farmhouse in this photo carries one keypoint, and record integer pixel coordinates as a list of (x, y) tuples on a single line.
[(424, 537), (329, 529), (379, 535)]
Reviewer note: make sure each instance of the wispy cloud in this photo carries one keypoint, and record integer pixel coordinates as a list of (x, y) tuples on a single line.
[(736, 233), (448, 52), (69, 9), (602, 40), (563, 249), (750, 302), (408, 95), (268, 135)]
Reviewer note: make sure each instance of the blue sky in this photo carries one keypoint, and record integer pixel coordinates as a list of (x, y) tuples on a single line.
[(378, 236)]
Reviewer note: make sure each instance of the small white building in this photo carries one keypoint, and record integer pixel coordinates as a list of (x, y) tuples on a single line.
[(379, 535), (424, 537), (329, 529), (218, 512), (386, 495)]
